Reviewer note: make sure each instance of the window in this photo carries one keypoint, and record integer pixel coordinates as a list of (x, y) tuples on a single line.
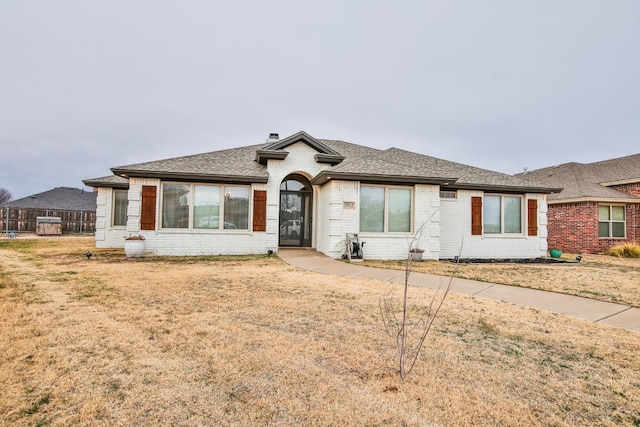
[(120, 204), (612, 221), (202, 206), (385, 209), (236, 207), (206, 206), (175, 205), (502, 214)]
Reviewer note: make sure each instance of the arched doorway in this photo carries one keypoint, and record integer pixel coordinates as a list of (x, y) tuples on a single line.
[(295, 211)]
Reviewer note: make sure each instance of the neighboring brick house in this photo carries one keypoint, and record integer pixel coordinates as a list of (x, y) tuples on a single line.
[(306, 192), (599, 206)]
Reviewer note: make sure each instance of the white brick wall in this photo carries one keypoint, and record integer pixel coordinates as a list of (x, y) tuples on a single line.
[(107, 236), (335, 221), (441, 224), (426, 229), (196, 242), (456, 226)]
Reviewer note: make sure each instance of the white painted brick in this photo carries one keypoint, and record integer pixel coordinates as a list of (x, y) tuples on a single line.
[(456, 225)]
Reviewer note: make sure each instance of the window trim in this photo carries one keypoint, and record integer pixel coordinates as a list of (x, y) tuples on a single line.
[(190, 225), (386, 209), (611, 221), (502, 233)]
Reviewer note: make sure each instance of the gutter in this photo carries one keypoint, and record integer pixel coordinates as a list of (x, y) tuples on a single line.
[(127, 173), (326, 176)]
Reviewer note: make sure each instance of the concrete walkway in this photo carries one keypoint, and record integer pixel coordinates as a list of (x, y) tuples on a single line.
[(617, 315)]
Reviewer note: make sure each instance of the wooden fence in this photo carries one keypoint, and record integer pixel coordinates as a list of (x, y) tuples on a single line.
[(25, 220)]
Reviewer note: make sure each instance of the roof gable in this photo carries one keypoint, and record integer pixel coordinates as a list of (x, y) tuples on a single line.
[(275, 150)]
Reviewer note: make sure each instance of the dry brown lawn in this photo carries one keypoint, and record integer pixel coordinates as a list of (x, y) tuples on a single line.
[(600, 277), (252, 341)]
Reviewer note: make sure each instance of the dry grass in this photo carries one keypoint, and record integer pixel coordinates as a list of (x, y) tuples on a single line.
[(251, 341), (625, 250), (600, 277)]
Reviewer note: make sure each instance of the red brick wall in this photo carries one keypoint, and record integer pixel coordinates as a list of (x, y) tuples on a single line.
[(573, 227), (633, 189), (633, 222)]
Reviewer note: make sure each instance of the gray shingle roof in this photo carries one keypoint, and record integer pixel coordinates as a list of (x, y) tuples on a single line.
[(60, 198), (587, 181), (234, 164), (360, 163), (112, 181), (621, 169), (467, 176)]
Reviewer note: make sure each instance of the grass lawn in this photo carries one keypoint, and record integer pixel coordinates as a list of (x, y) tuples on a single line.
[(252, 341)]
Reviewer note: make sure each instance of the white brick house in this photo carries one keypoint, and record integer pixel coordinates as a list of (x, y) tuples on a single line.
[(306, 192)]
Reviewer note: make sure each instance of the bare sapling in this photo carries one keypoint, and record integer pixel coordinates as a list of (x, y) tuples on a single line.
[(408, 326)]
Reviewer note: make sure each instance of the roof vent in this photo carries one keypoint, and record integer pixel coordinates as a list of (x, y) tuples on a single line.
[(273, 137)]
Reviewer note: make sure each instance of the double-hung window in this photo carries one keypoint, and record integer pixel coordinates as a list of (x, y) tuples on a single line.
[(385, 209), (502, 214), (612, 221), (120, 204), (204, 206)]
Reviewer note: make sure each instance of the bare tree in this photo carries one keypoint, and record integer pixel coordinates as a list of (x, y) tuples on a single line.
[(409, 326), (5, 195)]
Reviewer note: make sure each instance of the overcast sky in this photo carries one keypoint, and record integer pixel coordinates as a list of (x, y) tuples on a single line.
[(502, 85)]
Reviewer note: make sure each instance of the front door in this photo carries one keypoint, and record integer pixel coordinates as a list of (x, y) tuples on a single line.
[(295, 213)]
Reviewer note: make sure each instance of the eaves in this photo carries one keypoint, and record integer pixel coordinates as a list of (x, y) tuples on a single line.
[(612, 200), (191, 177)]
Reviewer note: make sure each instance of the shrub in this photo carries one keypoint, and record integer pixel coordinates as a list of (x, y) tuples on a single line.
[(625, 250)]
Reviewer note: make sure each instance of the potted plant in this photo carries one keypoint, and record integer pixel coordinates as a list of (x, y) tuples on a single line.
[(134, 246), (416, 254), (555, 253)]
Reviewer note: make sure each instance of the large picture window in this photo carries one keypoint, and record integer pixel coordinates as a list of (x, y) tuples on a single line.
[(201, 206), (502, 214), (612, 221), (385, 209), (120, 204)]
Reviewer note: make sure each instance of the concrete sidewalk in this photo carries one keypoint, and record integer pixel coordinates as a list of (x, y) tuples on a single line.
[(617, 315)]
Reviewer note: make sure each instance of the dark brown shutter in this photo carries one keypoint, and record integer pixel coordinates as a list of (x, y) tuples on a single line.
[(148, 209), (259, 210), (476, 216), (532, 217)]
